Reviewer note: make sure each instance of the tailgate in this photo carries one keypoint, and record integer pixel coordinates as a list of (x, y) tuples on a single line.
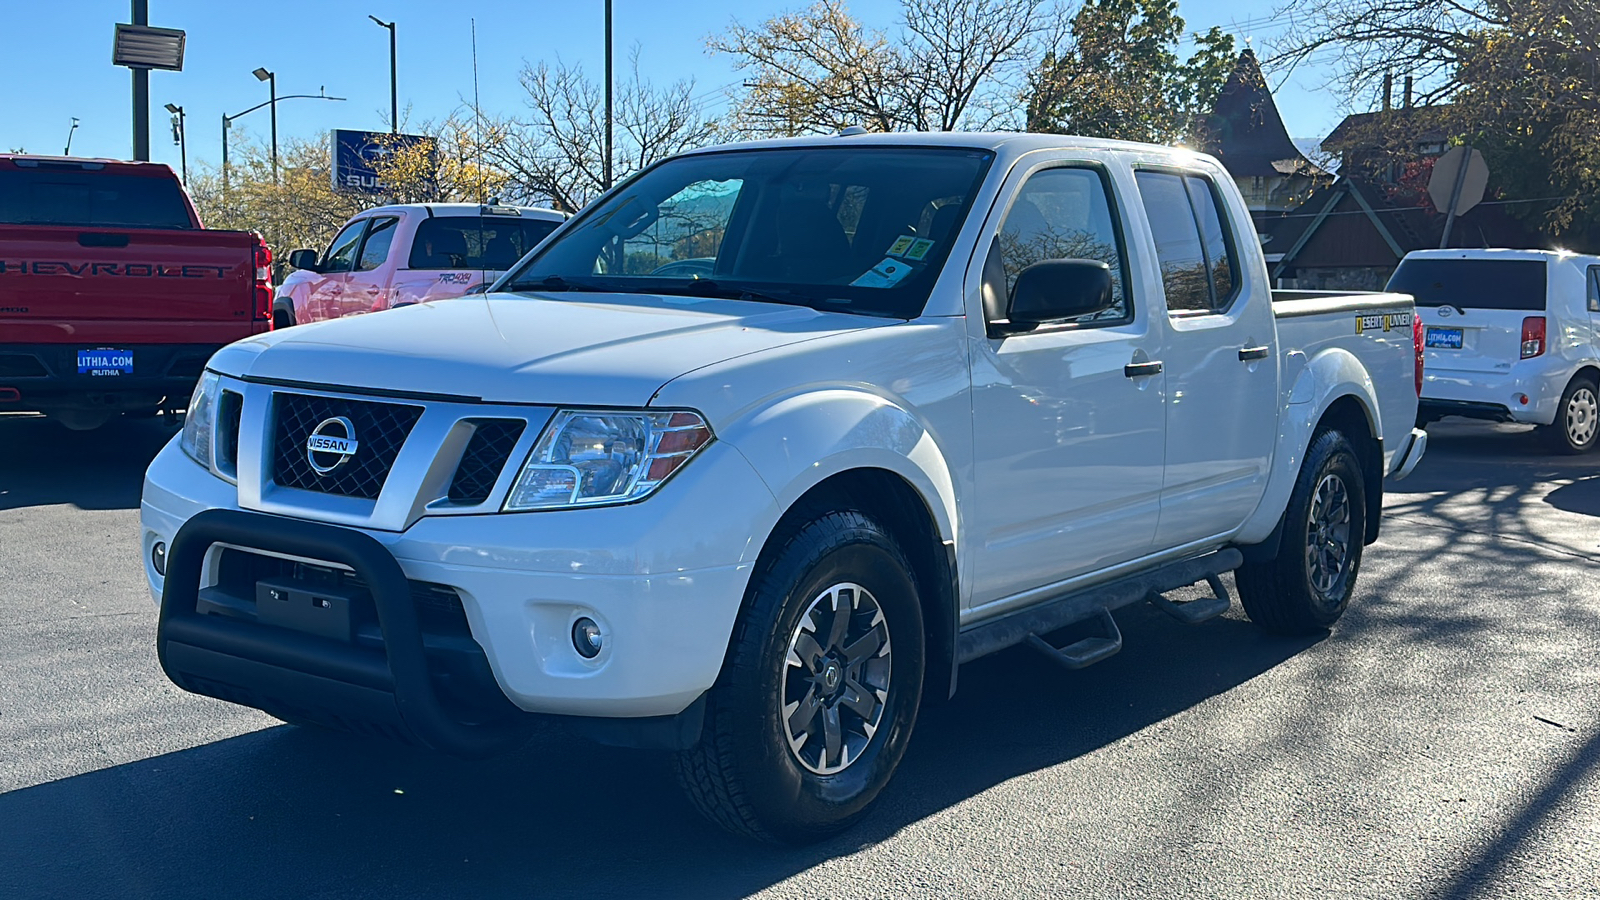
[(1471, 340), (54, 276)]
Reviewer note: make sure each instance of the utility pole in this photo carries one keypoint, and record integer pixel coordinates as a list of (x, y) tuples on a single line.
[(141, 93), (394, 92), (608, 98)]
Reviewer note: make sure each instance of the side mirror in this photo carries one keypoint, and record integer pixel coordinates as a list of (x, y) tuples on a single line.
[(303, 259), (1058, 289)]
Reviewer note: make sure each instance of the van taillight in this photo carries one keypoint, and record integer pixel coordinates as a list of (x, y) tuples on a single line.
[(263, 280), (1532, 337), (1416, 347)]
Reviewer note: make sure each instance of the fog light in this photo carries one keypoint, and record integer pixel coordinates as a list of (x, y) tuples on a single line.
[(586, 638), (158, 558)]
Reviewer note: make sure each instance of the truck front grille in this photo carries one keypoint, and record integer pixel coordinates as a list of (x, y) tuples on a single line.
[(485, 457), (380, 430)]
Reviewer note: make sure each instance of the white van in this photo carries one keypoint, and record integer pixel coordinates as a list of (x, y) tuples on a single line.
[(1510, 336)]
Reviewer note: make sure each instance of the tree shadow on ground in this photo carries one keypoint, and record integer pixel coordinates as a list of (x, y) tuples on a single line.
[(299, 813)]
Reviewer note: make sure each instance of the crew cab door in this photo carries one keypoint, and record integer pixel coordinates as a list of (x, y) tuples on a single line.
[(1220, 365), (367, 289), (324, 299), (1068, 426)]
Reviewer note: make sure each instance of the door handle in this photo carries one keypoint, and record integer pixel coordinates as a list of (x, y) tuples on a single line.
[(1251, 354), (1140, 370)]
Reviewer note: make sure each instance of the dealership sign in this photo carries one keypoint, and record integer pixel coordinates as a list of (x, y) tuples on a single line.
[(359, 155)]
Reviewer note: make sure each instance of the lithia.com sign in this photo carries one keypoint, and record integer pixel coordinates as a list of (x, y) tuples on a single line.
[(358, 157)]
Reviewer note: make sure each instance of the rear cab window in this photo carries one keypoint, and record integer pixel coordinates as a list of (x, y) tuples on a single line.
[(475, 242), (90, 198), (1516, 284)]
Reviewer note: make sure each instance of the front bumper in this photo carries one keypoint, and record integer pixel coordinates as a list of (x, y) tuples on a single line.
[(644, 572)]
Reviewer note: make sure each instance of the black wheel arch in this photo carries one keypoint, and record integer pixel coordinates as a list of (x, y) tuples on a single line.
[(1351, 417), (893, 503)]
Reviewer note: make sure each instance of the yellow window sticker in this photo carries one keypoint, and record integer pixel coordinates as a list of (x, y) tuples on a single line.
[(902, 244)]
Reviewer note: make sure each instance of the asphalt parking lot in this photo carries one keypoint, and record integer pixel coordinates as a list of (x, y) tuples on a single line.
[(1444, 740)]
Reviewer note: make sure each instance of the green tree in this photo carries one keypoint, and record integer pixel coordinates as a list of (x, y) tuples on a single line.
[(1119, 75)]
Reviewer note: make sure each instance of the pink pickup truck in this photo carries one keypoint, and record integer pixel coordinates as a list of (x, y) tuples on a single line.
[(397, 255)]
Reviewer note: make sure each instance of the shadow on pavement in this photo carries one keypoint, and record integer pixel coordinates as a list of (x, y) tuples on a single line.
[(44, 464), (288, 812)]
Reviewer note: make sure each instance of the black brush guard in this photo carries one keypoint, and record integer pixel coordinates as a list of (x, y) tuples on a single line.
[(300, 675)]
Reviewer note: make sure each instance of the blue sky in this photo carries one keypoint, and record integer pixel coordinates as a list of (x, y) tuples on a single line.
[(57, 61)]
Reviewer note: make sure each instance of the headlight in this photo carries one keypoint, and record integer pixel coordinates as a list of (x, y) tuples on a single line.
[(590, 457), (199, 422)]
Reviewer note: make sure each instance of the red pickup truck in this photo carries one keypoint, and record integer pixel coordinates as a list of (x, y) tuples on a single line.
[(112, 294)]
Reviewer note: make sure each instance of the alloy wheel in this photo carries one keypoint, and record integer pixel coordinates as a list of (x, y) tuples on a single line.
[(1328, 535), (836, 679)]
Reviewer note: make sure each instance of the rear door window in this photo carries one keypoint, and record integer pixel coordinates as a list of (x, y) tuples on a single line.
[(77, 197), (1594, 289), (1193, 246), (476, 242), (1472, 283)]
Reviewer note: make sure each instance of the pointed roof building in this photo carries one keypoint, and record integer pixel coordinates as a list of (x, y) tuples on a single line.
[(1245, 131)]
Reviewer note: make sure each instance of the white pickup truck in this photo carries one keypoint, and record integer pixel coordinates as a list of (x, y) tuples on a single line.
[(919, 398)]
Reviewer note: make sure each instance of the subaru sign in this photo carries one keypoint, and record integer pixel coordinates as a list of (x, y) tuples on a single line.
[(357, 156)]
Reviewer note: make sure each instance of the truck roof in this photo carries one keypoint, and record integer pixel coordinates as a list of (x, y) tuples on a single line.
[(467, 209), (120, 166), (1006, 143)]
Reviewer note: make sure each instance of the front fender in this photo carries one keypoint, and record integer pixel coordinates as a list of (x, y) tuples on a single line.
[(798, 442), (1316, 385)]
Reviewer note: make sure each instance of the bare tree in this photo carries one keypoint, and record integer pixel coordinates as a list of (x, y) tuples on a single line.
[(951, 64), (555, 151)]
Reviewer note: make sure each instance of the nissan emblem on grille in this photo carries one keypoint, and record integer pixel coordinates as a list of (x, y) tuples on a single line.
[(324, 443)]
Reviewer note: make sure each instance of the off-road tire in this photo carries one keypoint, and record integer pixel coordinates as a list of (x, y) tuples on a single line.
[(1575, 419), (742, 774), (1278, 593)]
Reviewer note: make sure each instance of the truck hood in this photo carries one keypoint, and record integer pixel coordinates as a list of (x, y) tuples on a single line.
[(567, 349)]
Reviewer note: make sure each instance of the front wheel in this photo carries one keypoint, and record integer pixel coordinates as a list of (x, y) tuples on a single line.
[(818, 695), (1306, 587), (1577, 425)]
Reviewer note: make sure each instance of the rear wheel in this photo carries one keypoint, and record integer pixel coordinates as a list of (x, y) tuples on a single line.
[(817, 699), (1306, 587), (1577, 425)]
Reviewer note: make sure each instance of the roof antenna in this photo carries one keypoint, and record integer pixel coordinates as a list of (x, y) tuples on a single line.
[(477, 108)]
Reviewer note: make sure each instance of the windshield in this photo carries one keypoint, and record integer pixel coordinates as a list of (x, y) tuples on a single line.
[(1472, 283), (858, 229)]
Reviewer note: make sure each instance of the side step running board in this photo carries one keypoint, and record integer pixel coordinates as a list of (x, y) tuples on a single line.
[(1086, 652), (1098, 602), (1193, 612)]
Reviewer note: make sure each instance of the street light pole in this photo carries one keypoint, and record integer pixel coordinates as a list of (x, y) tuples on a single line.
[(180, 136), (394, 92), (271, 78), (608, 97), (68, 151), (226, 119)]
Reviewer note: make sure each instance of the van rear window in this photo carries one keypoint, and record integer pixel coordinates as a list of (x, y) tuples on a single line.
[(1473, 283), (90, 198)]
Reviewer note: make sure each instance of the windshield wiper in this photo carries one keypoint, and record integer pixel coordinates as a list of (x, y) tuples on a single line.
[(554, 284), (708, 287)]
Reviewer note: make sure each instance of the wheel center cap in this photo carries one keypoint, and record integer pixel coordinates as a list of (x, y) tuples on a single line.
[(830, 676)]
